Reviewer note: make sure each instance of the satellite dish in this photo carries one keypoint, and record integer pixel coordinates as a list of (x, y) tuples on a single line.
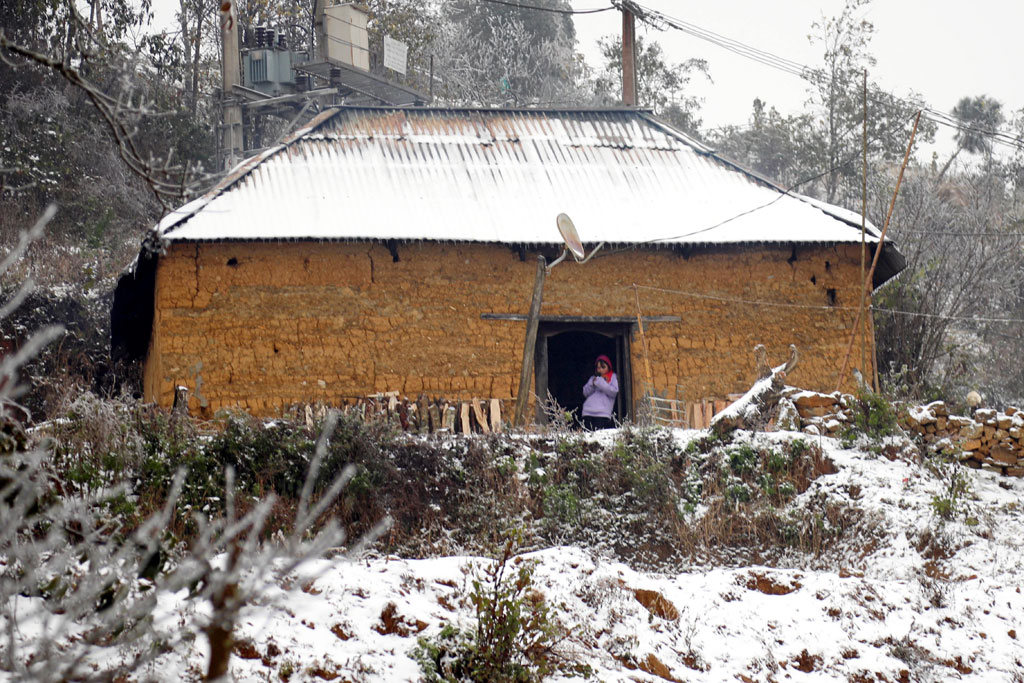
[(570, 236)]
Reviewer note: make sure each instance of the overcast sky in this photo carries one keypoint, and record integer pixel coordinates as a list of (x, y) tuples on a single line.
[(942, 49)]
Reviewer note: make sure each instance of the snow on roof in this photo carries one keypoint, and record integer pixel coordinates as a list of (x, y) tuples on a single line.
[(500, 176)]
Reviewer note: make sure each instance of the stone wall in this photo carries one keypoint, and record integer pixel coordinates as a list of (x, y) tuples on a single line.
[(261, 326), (988, 438)]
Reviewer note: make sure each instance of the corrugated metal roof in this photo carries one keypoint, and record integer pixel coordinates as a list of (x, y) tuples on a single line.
[(500, 176)]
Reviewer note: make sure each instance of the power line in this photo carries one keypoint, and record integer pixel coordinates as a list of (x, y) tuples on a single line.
[(553, 10), (823, 308), (783, 193), (949, 233), (660, 20)]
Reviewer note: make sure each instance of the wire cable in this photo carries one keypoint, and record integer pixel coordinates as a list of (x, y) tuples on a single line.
[(824, 308), (554, 10), (660, 20), (784, 193)]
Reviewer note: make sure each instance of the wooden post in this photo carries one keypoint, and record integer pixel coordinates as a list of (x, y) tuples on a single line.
[(467, 428), (525, 373), (180, 406), (628, 58)]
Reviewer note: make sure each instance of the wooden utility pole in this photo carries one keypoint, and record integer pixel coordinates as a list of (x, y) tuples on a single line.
[(628, 57), (530, 345), (231, 109)]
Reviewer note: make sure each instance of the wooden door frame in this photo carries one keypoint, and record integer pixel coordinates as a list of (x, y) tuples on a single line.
[(621, 332)]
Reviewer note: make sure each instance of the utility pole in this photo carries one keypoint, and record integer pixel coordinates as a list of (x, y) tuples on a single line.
[(231, 109), (628, 56)]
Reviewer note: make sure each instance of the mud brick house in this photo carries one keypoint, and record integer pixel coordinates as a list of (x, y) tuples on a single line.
[(394, 249)]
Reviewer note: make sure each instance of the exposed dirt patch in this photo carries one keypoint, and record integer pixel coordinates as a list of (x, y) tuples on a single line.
[(958, 664), (391, 622), (340, 632), (807, 662), (655, 603), (824, 465), (246, 650), (769, 586), (656, 667)]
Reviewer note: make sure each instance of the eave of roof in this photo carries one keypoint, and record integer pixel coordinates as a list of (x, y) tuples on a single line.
[(366, 173)]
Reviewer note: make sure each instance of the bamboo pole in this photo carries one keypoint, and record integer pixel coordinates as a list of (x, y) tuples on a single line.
[(878, 253), (864, 209), (643, 342)]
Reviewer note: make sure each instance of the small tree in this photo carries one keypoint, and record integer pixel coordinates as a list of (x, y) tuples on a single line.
[(661, 85)]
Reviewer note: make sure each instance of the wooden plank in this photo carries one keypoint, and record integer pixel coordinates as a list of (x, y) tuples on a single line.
[(466, 427), (435, 417), (481, 419), (448, 421), (403, 415), (495, 415), (423, 417), (719, 406)]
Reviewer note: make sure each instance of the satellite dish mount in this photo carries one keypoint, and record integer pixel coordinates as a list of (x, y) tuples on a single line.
[(573, 243)]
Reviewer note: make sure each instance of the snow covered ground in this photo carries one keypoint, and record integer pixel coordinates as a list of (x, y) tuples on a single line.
[(914, 597), (928, 600)]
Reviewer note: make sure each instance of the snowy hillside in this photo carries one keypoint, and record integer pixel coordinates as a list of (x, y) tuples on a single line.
[(919, 598)]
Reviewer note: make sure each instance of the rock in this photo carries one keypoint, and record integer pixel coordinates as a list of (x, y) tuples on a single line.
[(920, 415), (1004, 421), (813, 411), (984, 415), (937, 408), (972, 431), (1003, 455), (971, 445), (811, 399)]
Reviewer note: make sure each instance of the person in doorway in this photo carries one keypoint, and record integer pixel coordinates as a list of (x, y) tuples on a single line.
[(599, 396)]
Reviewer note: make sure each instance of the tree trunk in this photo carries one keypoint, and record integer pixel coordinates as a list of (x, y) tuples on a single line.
[(757, 406)]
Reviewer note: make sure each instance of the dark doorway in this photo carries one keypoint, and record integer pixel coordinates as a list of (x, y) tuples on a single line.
[(565, 361)]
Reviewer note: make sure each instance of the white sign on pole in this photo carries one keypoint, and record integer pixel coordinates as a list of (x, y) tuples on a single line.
[(395, 52)]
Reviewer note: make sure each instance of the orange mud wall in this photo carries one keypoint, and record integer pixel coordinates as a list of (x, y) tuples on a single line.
[(265, 326)]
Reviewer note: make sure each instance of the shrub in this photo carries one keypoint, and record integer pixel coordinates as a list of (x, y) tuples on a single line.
[(871, 415), (952, 501), (515, 638)]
